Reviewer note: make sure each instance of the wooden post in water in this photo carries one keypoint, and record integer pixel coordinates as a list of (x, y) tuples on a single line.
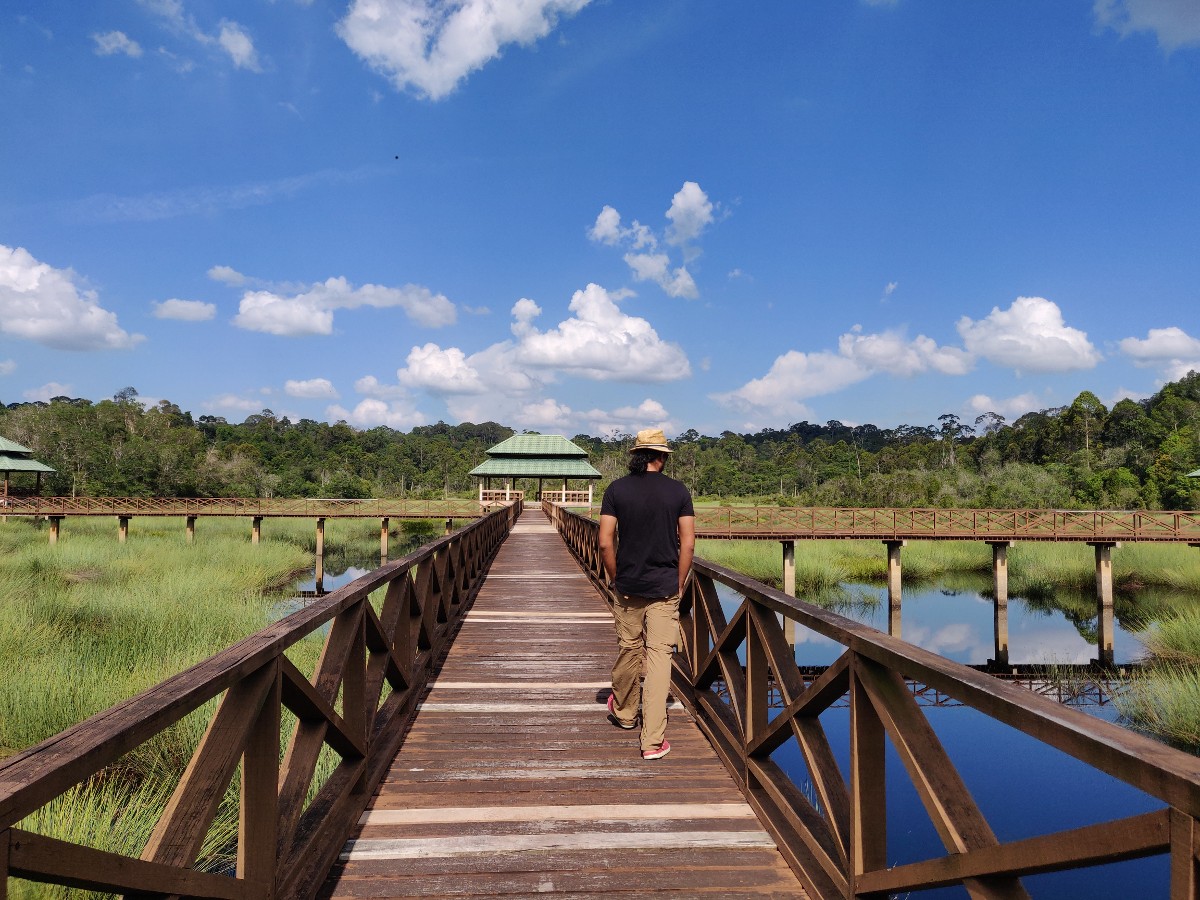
[(320, 569), (449, 525), (1104, 601), (122, 528), (789, 587), (893, 586), (383, 541), (191, 529), (255, 529), (55, 523), (1000, 604)]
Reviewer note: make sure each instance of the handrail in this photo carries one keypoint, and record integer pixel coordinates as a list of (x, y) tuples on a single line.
[(359, 701), (837, 845), (454, 508)]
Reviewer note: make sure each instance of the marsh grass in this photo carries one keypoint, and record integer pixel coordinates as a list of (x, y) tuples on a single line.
[(1165, 701), (90, 622)]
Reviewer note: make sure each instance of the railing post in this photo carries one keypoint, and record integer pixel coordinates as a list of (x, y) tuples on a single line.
[(1185, 877), (259, 820), (868, 784)]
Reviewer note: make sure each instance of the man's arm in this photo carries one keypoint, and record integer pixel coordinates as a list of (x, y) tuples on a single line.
[(687, 548), (608, 546)]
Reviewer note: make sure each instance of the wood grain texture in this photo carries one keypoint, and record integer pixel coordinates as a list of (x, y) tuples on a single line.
[(512, 781)]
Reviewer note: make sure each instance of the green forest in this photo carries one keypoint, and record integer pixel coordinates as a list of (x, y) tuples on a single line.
[(1138, 454)]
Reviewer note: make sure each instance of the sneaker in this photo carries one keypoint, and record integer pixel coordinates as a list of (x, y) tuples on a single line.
[(612, 716), (658, 752)]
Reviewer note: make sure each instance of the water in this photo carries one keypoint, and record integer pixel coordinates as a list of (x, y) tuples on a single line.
[(1022, 786)]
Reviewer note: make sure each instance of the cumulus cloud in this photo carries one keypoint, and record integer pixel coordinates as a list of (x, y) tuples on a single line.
[(602, 343), (1029, 336), (312, 389), (371, 413), (689, 214), (227, 275), (311, 312), (629, 419), (1171, 350), (111, 43), (545, 415), (1175, 23), (232, 403), (185, 310), (43, 304), (797, 376), (430, 46), (441, 371)]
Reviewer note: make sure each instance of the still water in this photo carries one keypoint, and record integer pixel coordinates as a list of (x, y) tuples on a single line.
[(1023, 787)]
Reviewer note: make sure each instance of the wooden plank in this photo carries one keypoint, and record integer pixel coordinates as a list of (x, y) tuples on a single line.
[(41, 858), (1108, 842)]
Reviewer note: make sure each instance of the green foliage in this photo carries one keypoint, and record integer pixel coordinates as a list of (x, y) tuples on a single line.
[(1136, 455)]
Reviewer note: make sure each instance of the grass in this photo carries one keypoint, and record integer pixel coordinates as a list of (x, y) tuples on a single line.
[(90, 622)]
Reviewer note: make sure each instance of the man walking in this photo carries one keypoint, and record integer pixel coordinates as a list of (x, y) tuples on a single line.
[(648, 568)]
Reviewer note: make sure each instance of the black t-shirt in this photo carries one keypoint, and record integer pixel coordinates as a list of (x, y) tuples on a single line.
[(648, 508)]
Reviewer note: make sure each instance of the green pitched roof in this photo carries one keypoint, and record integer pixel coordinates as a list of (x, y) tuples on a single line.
[(518, 467), (536, 445), (20, 464), (1195, 474), (7, 446)]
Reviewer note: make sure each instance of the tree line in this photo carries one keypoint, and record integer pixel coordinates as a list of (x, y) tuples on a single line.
[(1138, 454)]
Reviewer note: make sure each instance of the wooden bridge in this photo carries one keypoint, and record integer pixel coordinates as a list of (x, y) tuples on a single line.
[(461, 691)]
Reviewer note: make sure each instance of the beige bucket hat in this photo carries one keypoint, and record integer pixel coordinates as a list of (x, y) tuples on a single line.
[(651, 439)]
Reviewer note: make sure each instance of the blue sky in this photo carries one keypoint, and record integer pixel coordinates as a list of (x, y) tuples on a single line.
[(586, 215)]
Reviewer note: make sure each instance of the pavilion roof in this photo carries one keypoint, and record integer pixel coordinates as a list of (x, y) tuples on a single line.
[(536, 456)]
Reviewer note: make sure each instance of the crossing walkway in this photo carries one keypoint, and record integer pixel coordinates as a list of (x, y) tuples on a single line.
[(512, 782)]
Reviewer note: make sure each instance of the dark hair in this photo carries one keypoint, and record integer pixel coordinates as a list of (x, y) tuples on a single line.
[(640, 459)]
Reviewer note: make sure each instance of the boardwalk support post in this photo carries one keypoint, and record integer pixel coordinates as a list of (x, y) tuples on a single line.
[(893, 586), (191, 529), (55, 526), (383, 541), (1000, 604), (255, 529), (789, 587), (1104, 601), (122, 528)]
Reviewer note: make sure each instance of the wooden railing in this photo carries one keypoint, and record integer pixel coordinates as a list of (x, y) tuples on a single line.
[(455, 508), (490, 496), (947, 524), (837, 841), (569, 498), (359, 701)]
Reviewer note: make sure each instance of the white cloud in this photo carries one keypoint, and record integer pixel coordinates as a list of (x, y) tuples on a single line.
[(545, 415), (371, 412), (1012, 408), (43, 304), (656, 267), (227, 275), (185, 310), (891, 352), (233, 403), (47, 392), (311, 312), (230, 37), (430, 46), (7, 366), (1029, 336), (690, 213), (239, 45), (312, 389), (630, 419), (441, 371), (370, 386), (1176, 23), (796, 376), (112, 42), (1171, 350), (602, 343)]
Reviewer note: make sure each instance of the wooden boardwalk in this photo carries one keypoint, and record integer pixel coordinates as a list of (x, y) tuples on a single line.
[(512, 782)]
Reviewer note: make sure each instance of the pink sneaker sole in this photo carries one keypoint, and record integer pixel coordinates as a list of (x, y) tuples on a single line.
[(619, 723), (658, 752)]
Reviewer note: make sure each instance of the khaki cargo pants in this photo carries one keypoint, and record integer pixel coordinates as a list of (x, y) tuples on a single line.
[(647, 633)]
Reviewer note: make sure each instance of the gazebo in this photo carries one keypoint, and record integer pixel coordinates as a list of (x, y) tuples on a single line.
[(540, 456), (15, 458)]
